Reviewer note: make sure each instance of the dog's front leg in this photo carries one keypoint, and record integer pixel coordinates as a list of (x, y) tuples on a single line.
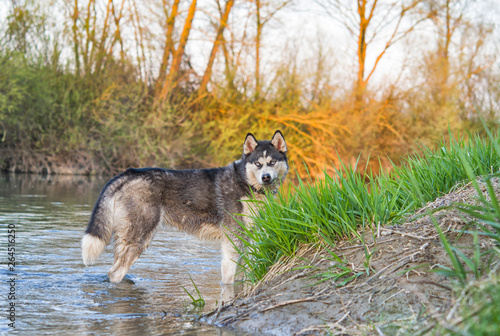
[(228, 269)]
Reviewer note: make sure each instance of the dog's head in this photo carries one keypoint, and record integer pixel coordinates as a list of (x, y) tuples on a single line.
[(266, 164)]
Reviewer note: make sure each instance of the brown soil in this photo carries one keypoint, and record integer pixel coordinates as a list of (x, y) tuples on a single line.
[(398, 291)]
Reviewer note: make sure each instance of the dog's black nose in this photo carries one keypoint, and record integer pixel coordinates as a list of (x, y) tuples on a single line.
[(266, 178)]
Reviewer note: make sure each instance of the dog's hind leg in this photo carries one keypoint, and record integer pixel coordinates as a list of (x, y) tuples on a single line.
[(125, 256), (131, 239)]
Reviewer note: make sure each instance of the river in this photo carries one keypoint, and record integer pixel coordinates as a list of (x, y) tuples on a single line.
[(49, 291)]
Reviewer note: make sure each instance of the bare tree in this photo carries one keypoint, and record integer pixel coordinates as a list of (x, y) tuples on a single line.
[(264, 12), (369, 21), (89, 28), (169, 41), (219, 39), (460, 64), (179, 52), (101, 51), (74, 28), (139, 39), (117, 35), (234, 49), (447, 17)]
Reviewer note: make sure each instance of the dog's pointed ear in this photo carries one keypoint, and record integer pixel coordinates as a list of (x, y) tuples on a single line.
[(249, 144), (278, 141)]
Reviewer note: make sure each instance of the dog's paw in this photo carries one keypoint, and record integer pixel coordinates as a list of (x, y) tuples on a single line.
[(226, 294)]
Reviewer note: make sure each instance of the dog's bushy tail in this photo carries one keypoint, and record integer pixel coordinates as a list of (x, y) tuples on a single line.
[(100, 228), (92, 248)]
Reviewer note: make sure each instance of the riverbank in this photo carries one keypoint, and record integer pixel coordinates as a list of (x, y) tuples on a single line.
[(39, 162), (383, 283)]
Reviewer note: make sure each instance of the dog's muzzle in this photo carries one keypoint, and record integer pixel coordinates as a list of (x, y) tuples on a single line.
[(266, 179)]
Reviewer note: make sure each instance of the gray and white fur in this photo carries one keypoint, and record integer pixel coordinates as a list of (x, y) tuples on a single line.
[(134, 204)]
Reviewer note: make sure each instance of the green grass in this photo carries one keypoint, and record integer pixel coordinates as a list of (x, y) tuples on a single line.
[(478, 290), (479, 301), (479, 312), (197, 302), (336, 207)]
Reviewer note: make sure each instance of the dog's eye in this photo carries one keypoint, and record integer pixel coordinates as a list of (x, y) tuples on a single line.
[(258, 164), (272, 163)]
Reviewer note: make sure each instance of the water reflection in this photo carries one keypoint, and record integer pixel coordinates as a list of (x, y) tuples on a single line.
[(56, 294)]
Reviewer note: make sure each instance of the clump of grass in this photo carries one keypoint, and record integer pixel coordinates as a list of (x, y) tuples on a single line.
[(337, 206), (197, 302), (435, 172), (479, 312), (479, 301), (487, 214), (477, 309)]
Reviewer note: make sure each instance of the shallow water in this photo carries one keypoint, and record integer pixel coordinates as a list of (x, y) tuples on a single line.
[(54, 293)]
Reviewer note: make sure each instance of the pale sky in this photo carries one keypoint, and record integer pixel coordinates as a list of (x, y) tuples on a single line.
[(299, 30)]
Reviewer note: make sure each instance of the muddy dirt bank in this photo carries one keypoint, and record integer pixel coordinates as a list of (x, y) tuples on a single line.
[(392, 289), (40, 162)]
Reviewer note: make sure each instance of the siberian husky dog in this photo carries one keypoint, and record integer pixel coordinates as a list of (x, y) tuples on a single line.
[(208, 203)]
